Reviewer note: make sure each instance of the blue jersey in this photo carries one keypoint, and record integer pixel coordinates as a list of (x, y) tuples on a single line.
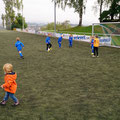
[(70, 39), (19, 45), (60, 39), (92, 42), (47, 40)]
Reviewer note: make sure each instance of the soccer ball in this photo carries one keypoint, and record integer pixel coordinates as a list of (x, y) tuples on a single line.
[(48, 50)]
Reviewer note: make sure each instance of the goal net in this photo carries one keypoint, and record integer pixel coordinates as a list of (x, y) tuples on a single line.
[(110, 32)]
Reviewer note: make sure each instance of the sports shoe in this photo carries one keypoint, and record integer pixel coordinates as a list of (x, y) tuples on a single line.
[(93, 56), (22, 57), (3, 102), (16, 104), (97, 56)]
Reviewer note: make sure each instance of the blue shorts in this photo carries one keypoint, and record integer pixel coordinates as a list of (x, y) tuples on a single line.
[(20, 49)]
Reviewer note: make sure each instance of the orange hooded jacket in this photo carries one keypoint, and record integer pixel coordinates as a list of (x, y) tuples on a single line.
[(10, 84)]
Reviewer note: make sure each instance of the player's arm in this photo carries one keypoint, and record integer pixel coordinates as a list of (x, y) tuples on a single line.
[(47, 40), (22, 44), (16, 45), (7, 84), (98, 42)]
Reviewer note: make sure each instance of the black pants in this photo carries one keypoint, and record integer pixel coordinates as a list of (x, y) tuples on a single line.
[(96, 51), (49, 45)]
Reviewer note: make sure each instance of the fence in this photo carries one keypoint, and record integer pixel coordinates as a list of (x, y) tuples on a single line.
[(104, 41)]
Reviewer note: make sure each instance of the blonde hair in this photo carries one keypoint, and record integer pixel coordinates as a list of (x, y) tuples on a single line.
[(17, 38), (8, 67)]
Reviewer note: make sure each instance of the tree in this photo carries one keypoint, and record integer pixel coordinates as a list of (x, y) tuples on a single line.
[(18, 22), (59, 26), (102, 3), (9, 11), (113, 14), (18, 4), (78, 5), (3, 20)]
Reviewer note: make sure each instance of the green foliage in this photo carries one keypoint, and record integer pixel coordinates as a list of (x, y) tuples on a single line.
[(3, 20), (104, 15), (113, 13), (10, 12), (84, 29), (18, 22), (78, 5), (59, 26)]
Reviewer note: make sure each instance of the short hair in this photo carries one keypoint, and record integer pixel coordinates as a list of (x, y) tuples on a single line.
[(17, 38), (8, 67), (96, 36)]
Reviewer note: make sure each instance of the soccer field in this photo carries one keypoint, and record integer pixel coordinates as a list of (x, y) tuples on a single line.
[(64, 84)]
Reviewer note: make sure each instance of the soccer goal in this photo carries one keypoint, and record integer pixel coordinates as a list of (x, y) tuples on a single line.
[(109, 33)]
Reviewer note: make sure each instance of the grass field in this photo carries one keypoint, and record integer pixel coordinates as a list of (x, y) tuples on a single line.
[(85, 29), (64, 84)]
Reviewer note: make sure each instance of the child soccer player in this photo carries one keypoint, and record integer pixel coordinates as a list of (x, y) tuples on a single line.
[(19, 45), (96, 45), (10, 84), (70, 40), (92, 44), (48, 43), (60, 40)]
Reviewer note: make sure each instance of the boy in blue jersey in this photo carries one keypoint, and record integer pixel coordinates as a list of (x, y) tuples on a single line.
[(48, 43), (19, 45), (70, 40), (60, 40), (92, 44)]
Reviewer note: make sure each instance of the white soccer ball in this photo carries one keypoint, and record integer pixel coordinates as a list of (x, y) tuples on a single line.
[(48, 49)]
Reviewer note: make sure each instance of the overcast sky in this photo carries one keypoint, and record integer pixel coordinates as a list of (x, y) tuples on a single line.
[(42, 11)]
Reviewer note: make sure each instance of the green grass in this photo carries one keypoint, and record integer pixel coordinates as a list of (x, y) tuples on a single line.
[(64, 84), (80, 30), (85, 29)]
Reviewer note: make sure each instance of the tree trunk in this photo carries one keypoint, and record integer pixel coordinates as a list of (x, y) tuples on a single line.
[(101, 5), (3, 22), (80, 16), (112, 16)]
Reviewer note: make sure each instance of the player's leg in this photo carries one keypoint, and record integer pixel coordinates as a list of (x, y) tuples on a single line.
[(3, 102), (92, 47), (12, 96), (21, 55), (47, 46), (71, 43), (50, 45), (59, 45), (97, 51), (94, 51)]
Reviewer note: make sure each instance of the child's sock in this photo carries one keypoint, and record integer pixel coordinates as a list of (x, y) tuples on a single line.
[(21, 55)]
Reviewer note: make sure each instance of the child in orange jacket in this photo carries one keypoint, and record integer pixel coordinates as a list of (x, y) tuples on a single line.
[(10, 84)]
